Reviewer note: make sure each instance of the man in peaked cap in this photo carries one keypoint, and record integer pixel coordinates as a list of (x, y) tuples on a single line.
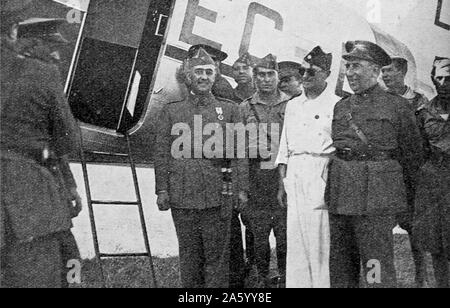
[(291, 78), (38, 191), (303, 158), (221, 88), (432, 219), (243, 75), (266, 110), (376, 139), (191, 181)]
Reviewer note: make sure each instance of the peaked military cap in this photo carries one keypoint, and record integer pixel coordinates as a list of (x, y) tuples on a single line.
[(319, 58), (201, 57), (245, 58), (441, 66), (289, 69), (268, 62), (215, 53), (365, 50), (44, 28)]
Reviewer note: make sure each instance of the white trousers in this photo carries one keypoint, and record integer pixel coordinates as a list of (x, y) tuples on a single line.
[(308, 231)]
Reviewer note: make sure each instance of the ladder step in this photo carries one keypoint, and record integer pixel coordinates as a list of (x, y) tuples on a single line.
[(106, 154), (99, 202), (123, 255)]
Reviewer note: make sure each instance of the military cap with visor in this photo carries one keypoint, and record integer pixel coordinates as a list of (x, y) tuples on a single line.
[(42, 28), (317, 57), (368, 51), (290, 68), (201, 57), (245, 58), (215, 53), (268, 62)]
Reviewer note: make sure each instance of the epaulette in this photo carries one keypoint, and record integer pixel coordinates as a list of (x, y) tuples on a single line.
[(421, 108)]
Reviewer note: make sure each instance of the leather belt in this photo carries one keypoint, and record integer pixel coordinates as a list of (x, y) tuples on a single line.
[(349, 155)]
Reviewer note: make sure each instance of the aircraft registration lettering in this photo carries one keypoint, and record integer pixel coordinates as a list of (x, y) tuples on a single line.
[(442, 10)]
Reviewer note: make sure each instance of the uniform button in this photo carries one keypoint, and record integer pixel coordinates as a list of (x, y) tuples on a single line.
[(317, 117)]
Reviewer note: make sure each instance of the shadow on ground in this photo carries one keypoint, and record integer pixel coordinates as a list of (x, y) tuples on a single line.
[(136, 272)]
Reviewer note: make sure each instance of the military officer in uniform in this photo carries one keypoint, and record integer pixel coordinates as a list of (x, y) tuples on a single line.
[(291, 78), (240, 264), (39, 195), (394, 78), (221, 88), (243, 75), (195, 183), (432, 219), (266, 109), (371, 130)]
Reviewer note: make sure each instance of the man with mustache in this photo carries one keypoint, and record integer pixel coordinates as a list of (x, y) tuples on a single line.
[(291, 78), (266, 110), (194, 181), (371, 131), (432, 220), (394, 78)]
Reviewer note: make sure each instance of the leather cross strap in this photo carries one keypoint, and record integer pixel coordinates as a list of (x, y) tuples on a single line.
[(356, 128)]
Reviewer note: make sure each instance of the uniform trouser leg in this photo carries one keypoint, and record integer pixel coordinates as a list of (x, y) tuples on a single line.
[(69, 251), (190, 242), (279, 229), (261, 225), (237, 263), (35, 264), (376, 244), (345, 264), (216, 243)]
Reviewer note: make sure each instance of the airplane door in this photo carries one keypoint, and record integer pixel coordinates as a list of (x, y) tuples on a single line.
[(115, 64)]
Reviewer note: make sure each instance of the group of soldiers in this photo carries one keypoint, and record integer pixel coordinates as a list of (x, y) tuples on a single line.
[(342, 175), (331, 186)]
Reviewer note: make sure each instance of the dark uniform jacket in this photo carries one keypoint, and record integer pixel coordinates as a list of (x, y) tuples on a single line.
[(432, 217), (34, 115), (195, 182), (373, 186)]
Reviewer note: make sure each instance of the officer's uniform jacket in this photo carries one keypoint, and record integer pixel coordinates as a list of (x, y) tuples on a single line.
[(432, 216), (195, 181), (373, 187), (34, 115)]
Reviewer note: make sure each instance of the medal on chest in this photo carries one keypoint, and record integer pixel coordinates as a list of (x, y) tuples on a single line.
[(219, 112)]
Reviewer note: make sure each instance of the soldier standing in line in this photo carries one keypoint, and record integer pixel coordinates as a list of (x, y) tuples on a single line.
[(432, 219), (39, 194), (266, 110), (366, 190), (194, 183), (291, 78), (240, 265), (394, 78), (243, 75)]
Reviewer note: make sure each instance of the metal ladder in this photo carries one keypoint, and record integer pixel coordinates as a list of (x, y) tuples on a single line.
[(99, 256)]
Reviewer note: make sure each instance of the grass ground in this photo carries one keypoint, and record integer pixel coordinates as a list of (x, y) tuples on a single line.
[(135, 273)]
